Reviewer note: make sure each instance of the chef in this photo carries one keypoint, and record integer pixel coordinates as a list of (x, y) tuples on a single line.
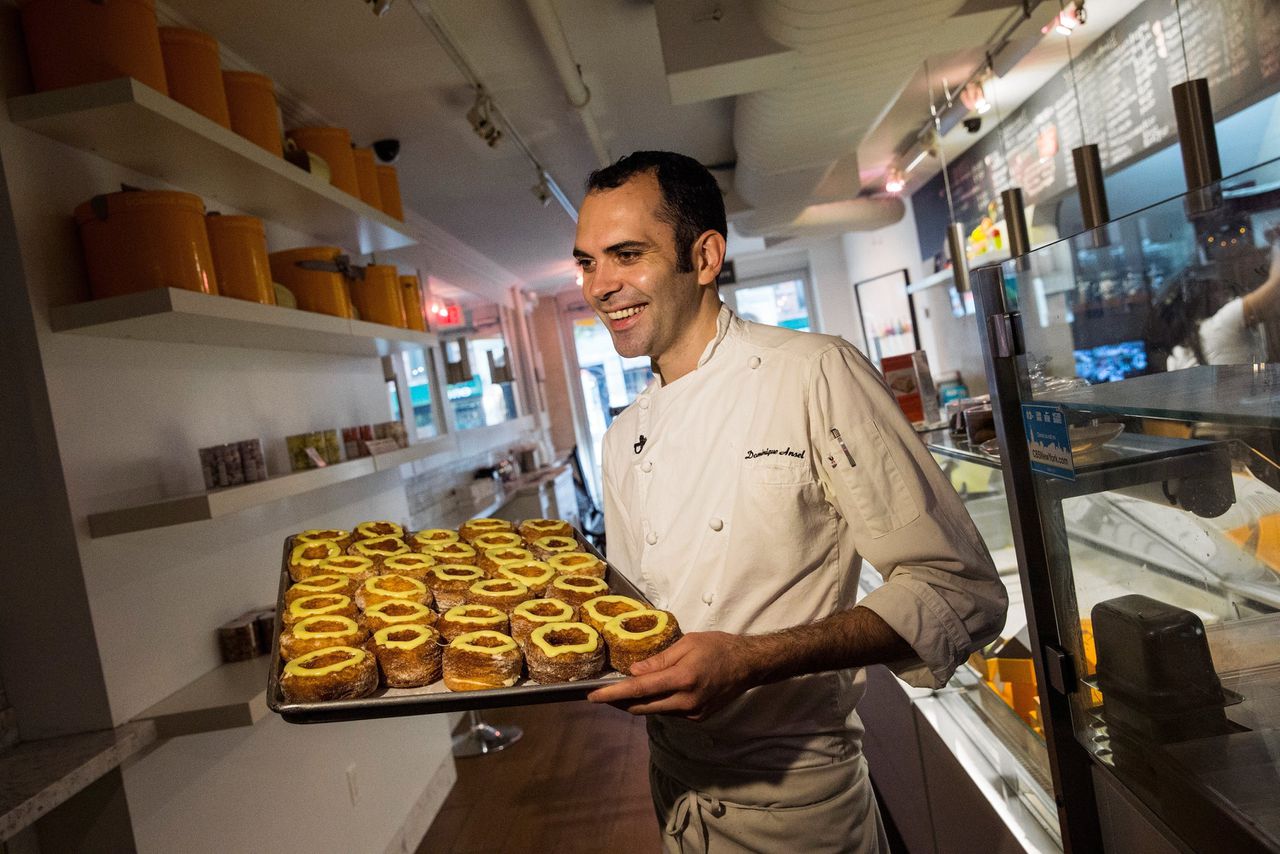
[(743, 489)]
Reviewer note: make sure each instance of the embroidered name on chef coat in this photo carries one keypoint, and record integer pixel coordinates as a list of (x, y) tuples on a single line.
[(770, 452)]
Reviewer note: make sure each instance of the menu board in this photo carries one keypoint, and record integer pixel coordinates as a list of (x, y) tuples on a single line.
[(1117, 97)]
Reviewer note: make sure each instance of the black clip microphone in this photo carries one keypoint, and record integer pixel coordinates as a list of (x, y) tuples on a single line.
[(639, 446)]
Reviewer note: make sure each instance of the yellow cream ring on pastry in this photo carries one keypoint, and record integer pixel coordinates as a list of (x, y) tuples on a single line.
[(577, 563), (545, 547), (413, 564), (497, 540), (448, 582), (408, 655), (534, 574), (312, 633), (530, 614), (453, 553), (352, 566), (501, 593), (428, 537), (396, 612), (479, 660), (600, 610), (536, 529), (378, 530), (321, 582), (305, 558), (321, 604), (378, 550), (472, 618), (637, 635), (332, 673), (492, 559), (576, 589), (473, 528), (380, 588), (564, 652), (333, 535)]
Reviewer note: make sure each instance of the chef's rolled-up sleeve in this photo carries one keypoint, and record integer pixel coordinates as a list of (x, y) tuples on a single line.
[(941, 592)]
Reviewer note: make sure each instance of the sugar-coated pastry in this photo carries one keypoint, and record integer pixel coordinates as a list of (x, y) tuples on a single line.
[(530, 614), (534, 574), (472, 618), (379, 549), (497, 540), (564, 652), (600, 610), (378, 531), (637, 635), (312, 633), (473, 528), (502, 593), (413, 564), (321, 604), (352, 566), (409, 655), (305, 558), (536, 529), (479, 660), (381, 588), (428, 537), (321, 582), (332, 673), (396, 612), (544, 547), (458, 552), (449, 582), (492, 559), (577, 563), (576, 589), (334, 535)]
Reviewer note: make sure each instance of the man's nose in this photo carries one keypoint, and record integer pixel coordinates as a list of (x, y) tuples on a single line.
[(603, 283)]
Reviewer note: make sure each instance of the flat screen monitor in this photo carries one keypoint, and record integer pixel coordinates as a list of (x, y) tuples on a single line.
[(1110, 362)]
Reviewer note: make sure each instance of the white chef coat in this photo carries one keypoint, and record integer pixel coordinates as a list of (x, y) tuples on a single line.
[(729, 502)]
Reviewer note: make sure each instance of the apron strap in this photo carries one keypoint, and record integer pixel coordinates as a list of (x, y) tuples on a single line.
[(687, 810)]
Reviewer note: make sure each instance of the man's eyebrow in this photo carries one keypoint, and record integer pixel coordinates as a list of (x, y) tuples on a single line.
[(626, 246), (578, 253)]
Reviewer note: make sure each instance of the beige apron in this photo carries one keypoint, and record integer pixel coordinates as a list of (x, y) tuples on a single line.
[(708, 809)]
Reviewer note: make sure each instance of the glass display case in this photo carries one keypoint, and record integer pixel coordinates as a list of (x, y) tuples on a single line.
[(1134, 376)]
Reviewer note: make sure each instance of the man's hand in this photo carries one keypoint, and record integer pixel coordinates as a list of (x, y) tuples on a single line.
[(697, 675)]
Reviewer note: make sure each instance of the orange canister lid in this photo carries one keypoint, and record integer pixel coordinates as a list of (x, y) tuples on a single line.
[(103, 206), (178, 35), (249, 78), (307, 253), (223, 222)]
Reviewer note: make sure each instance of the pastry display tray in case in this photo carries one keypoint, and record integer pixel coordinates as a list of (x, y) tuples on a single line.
[(434, 698)]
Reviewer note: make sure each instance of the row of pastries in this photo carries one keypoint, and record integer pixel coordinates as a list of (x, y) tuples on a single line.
[(477, 607)]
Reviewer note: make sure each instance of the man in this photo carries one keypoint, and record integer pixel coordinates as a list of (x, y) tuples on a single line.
[(742, 490)]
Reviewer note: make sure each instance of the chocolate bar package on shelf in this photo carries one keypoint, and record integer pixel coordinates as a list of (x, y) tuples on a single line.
[(232, 464)]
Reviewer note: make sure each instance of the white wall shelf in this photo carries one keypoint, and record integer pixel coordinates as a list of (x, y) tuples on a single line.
[(188, 317), (135, 126), (232, 695)]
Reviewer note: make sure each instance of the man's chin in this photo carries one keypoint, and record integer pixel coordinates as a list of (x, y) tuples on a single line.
[(627, 347)]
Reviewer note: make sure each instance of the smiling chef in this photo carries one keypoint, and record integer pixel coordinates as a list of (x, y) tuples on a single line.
[(743, 489)]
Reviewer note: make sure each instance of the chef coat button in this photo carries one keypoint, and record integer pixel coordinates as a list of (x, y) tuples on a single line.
[(717, 524), (651, 538), (707, 598), (644, 403), (646, 466), (754, 362)]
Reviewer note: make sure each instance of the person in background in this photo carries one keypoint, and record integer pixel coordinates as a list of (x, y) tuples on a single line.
[(743, 489)]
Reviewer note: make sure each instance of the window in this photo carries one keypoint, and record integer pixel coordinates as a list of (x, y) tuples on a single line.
[(782, 301), (417, 373), (481, 383)]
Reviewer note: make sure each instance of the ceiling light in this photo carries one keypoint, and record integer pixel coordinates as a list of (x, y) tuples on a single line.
[(380, 7), (915, 161), (481, 119), (1066, 21), (894, 181), (541, 191), (974, 97)]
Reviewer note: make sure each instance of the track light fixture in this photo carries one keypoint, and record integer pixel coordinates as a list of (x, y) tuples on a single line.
[(379, 7), (1066, 21), (481, 119), (541, 190), (894, 181)]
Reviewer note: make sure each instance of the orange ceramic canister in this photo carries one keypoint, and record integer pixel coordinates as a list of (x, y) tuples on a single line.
[(411, 296), (72, 42), (239, 245), (255, 115), (389, 191), (136, 241), (377, 296), (194, 72), (334, 145), (323, 291), (367, 177)]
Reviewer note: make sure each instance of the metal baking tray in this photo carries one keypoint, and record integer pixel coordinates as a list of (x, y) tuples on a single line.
[(434, 698)]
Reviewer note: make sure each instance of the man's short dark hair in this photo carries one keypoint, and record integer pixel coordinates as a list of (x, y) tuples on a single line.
[(691, 200)]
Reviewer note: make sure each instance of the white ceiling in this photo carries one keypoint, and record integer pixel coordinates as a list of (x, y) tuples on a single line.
[(336, 62)]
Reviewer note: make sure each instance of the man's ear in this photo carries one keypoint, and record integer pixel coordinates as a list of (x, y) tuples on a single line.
[(708, 256)]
